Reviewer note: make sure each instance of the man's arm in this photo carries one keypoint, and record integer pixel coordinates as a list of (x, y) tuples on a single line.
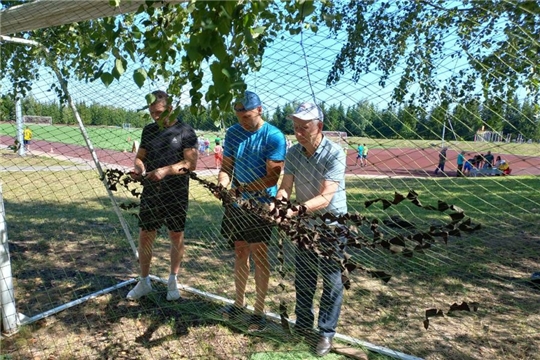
[(225, 173), (189, 162), (273, 172), (139, 168), (321, 201), (285, 189), (191, 155)]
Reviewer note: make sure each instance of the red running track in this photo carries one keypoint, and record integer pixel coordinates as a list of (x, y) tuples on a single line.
[(381, 162)]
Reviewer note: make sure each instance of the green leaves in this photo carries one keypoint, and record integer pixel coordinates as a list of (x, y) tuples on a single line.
[(118, 68), (107, 78), (139, 77)]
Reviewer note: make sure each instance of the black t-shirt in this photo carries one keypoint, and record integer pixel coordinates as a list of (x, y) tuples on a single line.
[(489, 159), (165, 146)]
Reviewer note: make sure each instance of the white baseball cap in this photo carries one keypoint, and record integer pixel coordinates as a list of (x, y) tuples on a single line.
[(307, 111)]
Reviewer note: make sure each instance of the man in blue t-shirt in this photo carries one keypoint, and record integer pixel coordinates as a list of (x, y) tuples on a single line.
[(168, 147), (316, 168), (253, 157), (360, 155)]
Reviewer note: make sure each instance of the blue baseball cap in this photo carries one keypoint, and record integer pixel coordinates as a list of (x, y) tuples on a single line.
[(250, 100)]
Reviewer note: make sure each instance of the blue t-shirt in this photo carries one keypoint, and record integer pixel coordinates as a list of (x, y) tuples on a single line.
[(327, 163), (460, 159), (251, 150)]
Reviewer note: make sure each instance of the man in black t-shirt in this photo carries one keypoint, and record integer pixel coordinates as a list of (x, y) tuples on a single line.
[(167, 148), (488, 160)]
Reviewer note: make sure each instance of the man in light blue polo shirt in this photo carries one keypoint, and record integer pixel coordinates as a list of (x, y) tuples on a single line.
[(253, 158), (315, 166)]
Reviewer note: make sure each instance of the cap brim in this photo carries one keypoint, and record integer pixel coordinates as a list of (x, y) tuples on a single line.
[(300, 117)]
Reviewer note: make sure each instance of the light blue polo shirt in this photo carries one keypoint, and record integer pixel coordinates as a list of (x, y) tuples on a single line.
[(327, 163), (251, 150)]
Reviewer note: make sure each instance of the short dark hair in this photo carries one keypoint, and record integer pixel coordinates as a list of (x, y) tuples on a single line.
[(161, 97)]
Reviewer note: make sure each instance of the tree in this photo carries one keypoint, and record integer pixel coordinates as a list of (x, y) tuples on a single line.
[(407, 117), (168, 42), (494, 42), (466, 120), (7, 108), (531, 116), (497, 40)]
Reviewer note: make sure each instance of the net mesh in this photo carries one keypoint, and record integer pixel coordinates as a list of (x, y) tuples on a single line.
[(72, 235)]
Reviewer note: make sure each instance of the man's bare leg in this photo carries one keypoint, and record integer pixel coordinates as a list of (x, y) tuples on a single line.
[(241, 271), (262, 274)]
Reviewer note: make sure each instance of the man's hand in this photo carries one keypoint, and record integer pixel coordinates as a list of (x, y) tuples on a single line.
[(157, 175), (136, 175)]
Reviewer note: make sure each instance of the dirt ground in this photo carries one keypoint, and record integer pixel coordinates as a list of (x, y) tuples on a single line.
[(52, 273)]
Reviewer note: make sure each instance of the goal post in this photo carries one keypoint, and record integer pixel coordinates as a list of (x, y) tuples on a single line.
[(10, 320), (421, 241)]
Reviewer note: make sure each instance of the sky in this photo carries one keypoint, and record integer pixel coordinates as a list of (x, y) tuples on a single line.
[(286, 76), (294, 69)]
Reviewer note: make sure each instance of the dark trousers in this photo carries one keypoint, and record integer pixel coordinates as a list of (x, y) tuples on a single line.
[(308, 267), (459, 170)]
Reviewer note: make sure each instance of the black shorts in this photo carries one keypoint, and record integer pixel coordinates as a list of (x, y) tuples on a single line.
[(241, 225), (159, 209)]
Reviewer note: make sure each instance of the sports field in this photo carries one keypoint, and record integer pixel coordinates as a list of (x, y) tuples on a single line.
[(384, 162)]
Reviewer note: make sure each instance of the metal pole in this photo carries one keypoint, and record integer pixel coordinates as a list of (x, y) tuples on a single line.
[(10, 319), (70, 304), (63, 84), (443, 131), (20, 124)]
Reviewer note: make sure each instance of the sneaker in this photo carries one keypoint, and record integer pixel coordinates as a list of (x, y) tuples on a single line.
[(172, 290), (141, 289)]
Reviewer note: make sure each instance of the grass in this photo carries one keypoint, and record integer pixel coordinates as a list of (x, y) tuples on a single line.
[(11, 159), (116, 138), (106, 137), (66, 242)]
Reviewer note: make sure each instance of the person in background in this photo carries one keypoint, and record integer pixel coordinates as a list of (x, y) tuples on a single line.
[(365, 155), (201, 146), (360, 155), (442, 161), (253, 158), (15, 147), (488, 160), (206, 146), (316, 168), (460, 161), (501, 167), (168, 147), (468, 166), (27, 138), (218, 154)]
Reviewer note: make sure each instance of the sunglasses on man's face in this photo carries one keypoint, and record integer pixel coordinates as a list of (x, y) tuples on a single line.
[(242, 109)]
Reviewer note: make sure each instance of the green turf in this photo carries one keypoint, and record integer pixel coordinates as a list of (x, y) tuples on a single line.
[(116, 138)]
